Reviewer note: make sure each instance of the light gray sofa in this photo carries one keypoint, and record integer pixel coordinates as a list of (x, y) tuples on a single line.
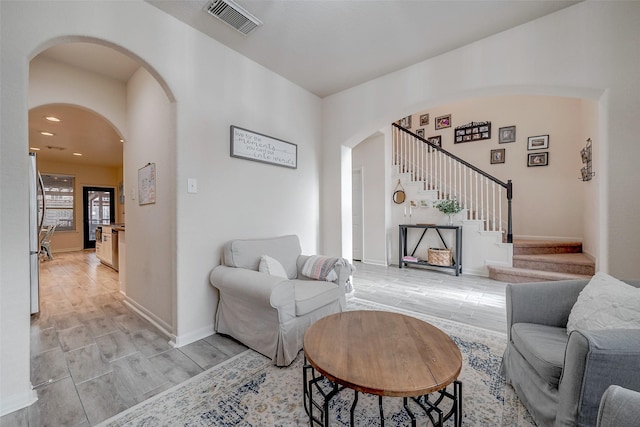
[(559, 378), (267, 313), (619, 407)]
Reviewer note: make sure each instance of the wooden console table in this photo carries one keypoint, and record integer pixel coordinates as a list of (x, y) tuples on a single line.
[(402, 248)]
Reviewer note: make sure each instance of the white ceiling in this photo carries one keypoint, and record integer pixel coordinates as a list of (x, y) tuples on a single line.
[(79, 131), (324, 46)]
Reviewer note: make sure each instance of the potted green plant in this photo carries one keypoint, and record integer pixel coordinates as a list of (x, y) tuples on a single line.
[(448, 207)]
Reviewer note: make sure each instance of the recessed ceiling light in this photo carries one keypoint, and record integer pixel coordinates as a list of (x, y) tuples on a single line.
[(77, 154), (47, 133), (34, 148), (52, 118)]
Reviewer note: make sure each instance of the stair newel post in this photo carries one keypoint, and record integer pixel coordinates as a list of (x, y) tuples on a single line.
[(509, 218)]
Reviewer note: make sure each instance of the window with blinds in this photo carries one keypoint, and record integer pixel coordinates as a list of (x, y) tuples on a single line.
[(59, 198)]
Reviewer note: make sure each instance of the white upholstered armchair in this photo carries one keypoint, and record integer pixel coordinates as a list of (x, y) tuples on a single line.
[(268, 312)]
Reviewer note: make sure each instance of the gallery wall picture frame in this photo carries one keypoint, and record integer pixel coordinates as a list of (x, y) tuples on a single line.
[(443, 122), (538, 159), (420, 132), (498, 156), (507, 134), (436, 140), (405, 122), (424, 119), (473, 131), (540, 142)]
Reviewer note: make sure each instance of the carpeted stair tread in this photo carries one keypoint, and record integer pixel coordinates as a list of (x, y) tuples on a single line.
[(533, 247), (559, 263), (524, 275)]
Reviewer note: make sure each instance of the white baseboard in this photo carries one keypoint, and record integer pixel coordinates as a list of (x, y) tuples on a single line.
[(152, 318), (482, 272), (13, 403), (374, 262), (182, 340)]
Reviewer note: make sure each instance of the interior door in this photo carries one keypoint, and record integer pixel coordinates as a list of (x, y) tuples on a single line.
[(99, 207)]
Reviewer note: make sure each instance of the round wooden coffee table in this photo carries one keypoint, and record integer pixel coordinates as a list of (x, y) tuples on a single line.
[(385, 354)]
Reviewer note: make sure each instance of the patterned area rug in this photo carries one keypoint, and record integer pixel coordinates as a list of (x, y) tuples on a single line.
[(248, 390)]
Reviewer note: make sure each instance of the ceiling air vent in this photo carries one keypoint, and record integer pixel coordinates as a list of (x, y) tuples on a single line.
[(234, 15)]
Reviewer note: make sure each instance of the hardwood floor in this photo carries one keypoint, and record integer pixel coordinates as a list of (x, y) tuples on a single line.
[(92, 357)]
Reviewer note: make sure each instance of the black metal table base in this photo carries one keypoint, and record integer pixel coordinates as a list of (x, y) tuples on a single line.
[(311, 381)]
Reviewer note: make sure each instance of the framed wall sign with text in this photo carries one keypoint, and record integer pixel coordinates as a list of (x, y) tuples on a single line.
[(249, 145)]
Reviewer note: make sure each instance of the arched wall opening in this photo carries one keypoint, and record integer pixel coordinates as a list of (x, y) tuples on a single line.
[(87, 146), (141, 108), (569, 115)]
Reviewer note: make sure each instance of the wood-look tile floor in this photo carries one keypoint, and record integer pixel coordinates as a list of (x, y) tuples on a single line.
[(92, 357)]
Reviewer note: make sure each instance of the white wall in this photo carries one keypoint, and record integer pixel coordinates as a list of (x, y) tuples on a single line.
[(369, 157), (52, 82), (150, 228), (587, 50), (213, 87)]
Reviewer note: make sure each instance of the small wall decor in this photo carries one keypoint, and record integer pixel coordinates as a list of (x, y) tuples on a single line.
[(539, 142), (497, 156), (424, 119), (538, 159), (249, 145), (443, 122), (586, 171), (405, 122), (399, 194), (473, 131), (147, 184), (420, 132), (436, 140), (507, 134)]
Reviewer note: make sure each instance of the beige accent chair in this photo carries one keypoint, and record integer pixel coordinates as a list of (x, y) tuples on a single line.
[(270, 314)]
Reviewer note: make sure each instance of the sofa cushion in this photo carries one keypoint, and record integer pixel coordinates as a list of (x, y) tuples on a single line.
[(271, 266), (313, 294), (606, 303), (543, 347), (246, 253)]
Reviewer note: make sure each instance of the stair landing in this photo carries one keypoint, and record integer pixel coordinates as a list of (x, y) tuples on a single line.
[(538, 261)]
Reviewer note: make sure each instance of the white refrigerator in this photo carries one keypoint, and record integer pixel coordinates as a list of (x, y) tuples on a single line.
[(36, 218)]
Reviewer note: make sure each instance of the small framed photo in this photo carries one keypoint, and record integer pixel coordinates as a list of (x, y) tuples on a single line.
[(420, 132), (405, 122), (539, 142), (507, 134), (424, 119), (435, 140), (538, 159), (443, 122), (497, 156)]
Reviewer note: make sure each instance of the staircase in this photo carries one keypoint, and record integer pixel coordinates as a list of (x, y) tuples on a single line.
[(541, 261)]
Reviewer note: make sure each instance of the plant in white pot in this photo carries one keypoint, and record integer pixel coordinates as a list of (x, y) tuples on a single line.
[(448, 207)]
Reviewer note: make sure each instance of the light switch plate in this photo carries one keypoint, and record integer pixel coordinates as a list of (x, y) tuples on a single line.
[(192, 185)]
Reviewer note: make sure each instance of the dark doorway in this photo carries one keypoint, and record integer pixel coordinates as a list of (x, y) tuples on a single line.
[(99, 206)]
